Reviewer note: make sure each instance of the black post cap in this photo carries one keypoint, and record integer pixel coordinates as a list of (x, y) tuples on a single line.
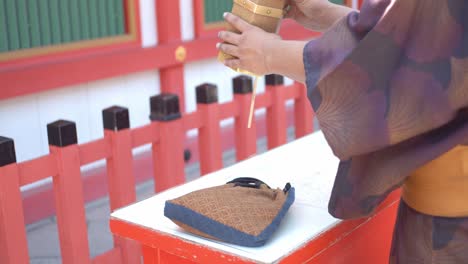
[(7, 151), (164, 107), (274, 79), (207, 93), (242, 84), (62, 133), (116, 118)]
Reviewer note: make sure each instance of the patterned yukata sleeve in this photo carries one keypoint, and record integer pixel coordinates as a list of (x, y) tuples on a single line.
[(385, 105)]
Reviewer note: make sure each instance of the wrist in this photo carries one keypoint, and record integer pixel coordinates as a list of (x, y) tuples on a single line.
[(269, 51), (285, 57)]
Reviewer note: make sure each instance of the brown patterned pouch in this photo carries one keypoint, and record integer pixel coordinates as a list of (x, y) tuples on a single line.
[(244, 211)]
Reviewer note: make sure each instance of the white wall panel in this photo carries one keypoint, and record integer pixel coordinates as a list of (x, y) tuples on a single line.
[(140, 87), (149, 29), (187, 21), (132, 91), (69, 104), (19, 120), (102, 94), (25, 118)]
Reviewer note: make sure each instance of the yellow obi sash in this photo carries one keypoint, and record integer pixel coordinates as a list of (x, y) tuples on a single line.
[(440, 188)]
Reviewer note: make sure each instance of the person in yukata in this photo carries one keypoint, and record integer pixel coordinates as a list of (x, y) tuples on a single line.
[(389, 85)]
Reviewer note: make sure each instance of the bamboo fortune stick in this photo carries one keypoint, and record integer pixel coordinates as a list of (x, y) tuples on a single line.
[(252, 102)]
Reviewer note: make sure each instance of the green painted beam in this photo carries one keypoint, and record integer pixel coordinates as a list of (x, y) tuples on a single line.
[(84, 19), (120, 17), (34, 23), (93, 19), (23, 24), (12, 25), (3, 28), (214, 10), (102, 18), (55, 18), (75, 20), (111, 18), (65, 21)]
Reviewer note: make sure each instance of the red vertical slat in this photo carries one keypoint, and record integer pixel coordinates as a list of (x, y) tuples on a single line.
[(119, 169), (246, 141), (172, 80), (69, 203), (169, 31), (150, 255), (303, 114), (209, 136), (68, 193), (120, 178), (168, 156), (276, 113), (13, 243), (168, 153), (168, 18)]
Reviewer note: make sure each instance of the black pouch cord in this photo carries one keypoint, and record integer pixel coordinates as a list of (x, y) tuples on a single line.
[(254, 183)]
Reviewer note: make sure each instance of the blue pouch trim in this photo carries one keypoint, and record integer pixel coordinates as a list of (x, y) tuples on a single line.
[(223, 232)]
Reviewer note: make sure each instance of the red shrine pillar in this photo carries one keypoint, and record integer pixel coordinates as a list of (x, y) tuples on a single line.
[(169, 31)]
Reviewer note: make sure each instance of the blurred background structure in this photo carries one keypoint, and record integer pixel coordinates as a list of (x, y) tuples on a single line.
[(69, 60)]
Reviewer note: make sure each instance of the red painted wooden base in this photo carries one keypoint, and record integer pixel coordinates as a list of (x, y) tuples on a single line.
[(362, 241)]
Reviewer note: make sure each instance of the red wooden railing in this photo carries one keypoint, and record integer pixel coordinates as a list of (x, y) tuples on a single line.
[(166, 133)]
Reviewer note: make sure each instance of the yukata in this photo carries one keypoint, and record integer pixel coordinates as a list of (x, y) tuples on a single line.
[(389, 86)]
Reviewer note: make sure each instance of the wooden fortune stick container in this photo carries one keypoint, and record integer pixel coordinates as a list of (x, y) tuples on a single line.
[(265, 14)]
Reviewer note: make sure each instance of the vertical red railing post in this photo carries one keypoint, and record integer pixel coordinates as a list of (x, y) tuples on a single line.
[(209, 136), (13, 242), (246, 138), (68, 192), (169, 31), (168, 153), (303, 113), (120, 178), (276, 113)]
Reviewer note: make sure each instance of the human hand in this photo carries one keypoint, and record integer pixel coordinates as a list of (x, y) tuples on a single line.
[(250, 46)]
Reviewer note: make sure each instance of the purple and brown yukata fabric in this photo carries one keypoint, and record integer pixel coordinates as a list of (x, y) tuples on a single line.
[(389, 85)]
